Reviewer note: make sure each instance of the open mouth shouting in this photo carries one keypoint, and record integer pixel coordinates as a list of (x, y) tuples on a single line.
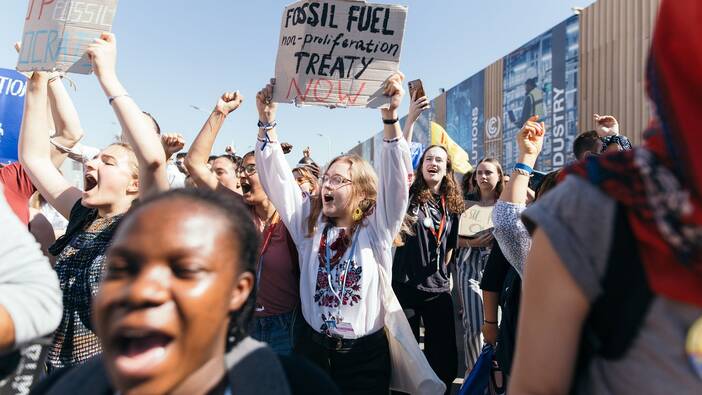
[(245, 187), (138, 350), (328, 198), (89, 182), (432, 172)]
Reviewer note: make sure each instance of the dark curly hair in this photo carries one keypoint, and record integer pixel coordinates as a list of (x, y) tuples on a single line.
[(420, 193), (241, 230)]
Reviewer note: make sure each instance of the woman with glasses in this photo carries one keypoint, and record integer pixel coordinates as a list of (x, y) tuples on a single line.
[(344, 238), (277, 316)]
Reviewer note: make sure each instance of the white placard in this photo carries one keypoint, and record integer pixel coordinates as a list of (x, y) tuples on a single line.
[(475, 220), (338, 53)]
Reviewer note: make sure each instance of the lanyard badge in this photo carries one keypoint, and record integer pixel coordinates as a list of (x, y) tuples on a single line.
[(429, 224), (342, 272)]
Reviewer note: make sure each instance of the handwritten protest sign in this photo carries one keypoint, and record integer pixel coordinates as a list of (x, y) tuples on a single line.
[(57, 33), (338, 53), (476, 220)]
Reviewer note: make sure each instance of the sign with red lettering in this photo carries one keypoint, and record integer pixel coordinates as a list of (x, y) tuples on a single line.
[(338, 53), (57, 33)]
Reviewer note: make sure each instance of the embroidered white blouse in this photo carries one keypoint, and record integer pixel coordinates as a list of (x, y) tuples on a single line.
[(362, 304)]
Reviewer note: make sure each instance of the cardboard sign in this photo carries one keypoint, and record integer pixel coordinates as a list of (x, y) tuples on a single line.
[(475, 220), (13, 87), (338, 53), (57, 33)]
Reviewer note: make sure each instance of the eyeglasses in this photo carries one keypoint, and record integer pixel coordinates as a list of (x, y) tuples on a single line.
[(249, 169), (336, 181)]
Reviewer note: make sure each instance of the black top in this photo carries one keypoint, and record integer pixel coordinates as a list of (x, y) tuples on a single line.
[(253, 375), (80, 261), (415, 263), (495, 271)]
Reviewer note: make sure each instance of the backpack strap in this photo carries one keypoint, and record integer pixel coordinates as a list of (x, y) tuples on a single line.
[(616, 316)]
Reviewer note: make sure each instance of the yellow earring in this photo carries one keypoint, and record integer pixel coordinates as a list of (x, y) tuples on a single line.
[(357, 214)]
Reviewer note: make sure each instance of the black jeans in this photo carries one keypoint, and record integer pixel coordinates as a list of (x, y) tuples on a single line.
[(363, 368), (435, 310)]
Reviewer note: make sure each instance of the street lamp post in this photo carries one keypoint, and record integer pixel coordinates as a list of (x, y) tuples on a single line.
[(329, 150)]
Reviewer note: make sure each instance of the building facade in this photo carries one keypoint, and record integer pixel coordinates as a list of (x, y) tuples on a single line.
[(591, 63)]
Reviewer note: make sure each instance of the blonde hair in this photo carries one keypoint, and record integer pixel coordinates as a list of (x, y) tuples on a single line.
[(133, 162), (364, 190), (36, 200)]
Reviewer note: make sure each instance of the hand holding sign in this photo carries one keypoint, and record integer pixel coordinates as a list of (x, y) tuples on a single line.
[(393, 89), (229, 102), (103, 55), (265, 105)]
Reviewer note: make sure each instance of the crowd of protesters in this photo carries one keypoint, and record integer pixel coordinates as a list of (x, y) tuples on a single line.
[(187, 272)]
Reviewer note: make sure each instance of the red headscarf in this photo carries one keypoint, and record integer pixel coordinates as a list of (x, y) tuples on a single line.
[(660, 184)]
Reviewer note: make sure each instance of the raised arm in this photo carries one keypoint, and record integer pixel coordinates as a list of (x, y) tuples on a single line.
[(274, 171), (417, 107), (395, 167), (530, 140), (35, 151), (136, 126), (510, 232), (65, 117), (199, 152)]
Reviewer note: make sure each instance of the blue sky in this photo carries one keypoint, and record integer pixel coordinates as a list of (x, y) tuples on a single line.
[(178, 53)]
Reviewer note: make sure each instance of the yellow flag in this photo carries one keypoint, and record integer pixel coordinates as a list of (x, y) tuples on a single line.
[(459, 157)]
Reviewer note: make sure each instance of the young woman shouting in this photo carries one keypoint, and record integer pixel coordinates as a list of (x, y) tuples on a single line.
[(344, 239)]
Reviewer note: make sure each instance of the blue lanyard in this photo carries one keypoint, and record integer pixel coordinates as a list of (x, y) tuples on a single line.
[(327, 256)]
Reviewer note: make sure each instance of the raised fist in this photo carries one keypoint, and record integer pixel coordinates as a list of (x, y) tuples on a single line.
[(606, 125), (229, 102), (531, 137), (172, 143)]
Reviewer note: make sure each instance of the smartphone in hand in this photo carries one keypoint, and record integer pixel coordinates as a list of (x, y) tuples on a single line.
[(416, 89)]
